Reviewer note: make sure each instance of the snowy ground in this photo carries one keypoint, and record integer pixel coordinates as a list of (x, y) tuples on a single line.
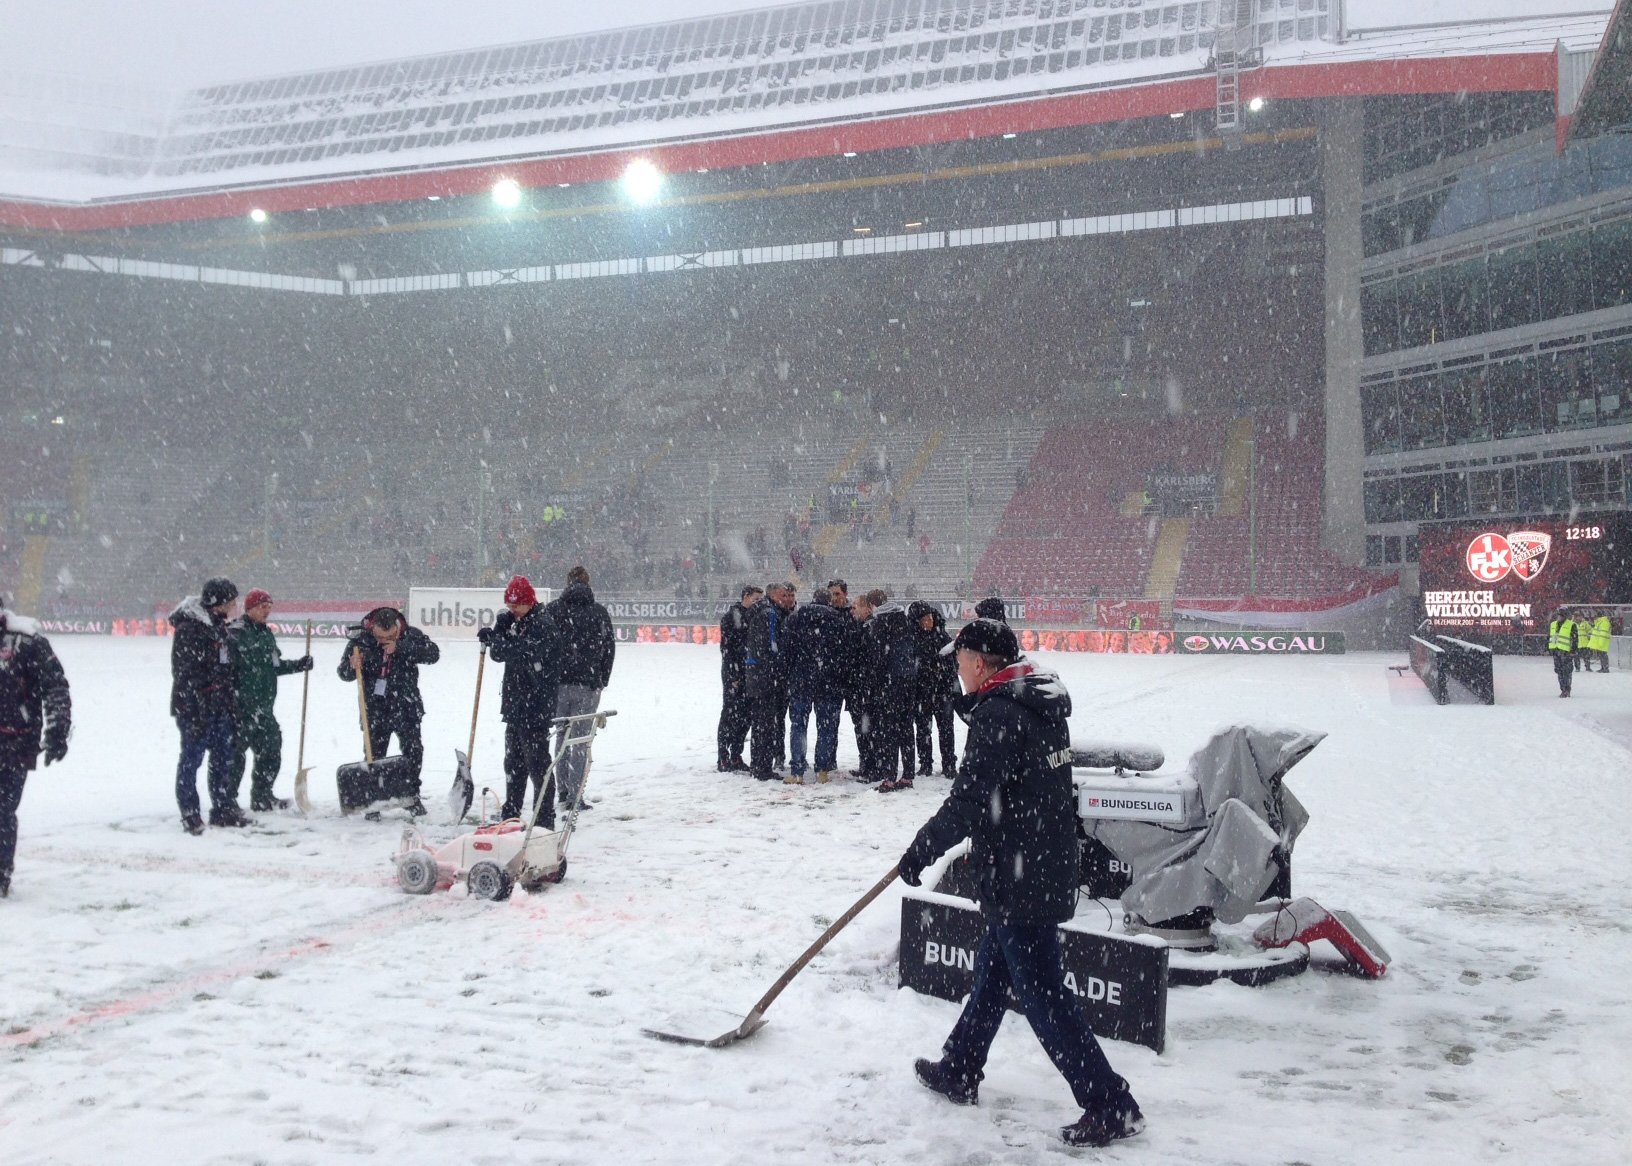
[(270, 996)]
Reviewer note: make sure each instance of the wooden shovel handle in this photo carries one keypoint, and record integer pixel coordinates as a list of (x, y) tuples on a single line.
[(362, 704), (305, 691), (481, 662), (798, 965)]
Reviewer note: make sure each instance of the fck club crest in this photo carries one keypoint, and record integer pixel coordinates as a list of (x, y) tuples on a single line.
[(1492, 556)]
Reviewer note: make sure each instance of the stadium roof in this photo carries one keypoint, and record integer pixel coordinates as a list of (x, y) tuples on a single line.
[(712, 91)]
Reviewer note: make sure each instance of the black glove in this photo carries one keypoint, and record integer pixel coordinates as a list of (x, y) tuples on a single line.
[(911, 867), (305, 663), (56, 744), (485, 635), (502, 623)]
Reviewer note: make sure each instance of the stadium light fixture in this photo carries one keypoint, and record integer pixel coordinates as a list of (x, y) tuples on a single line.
[(1256, 105), (257, 216), (1176, 115), (1007, 136), (849, 153), (507, 193), (642, 181)]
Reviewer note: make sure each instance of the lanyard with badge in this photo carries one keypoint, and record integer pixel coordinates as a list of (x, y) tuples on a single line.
[(385, 671)]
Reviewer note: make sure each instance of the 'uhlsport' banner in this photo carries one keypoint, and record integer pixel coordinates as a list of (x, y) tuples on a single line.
[(457, 613)]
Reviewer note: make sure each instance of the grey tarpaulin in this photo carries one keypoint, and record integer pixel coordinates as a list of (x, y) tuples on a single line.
[(1226, 855)]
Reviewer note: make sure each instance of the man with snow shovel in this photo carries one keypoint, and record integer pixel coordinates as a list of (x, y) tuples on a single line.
[(388, 653), (259, 662), (1013, 800), (525, 640)]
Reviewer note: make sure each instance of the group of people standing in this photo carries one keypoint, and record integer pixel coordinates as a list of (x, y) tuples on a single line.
[(224, 673), (782, 663), (1576, 638)]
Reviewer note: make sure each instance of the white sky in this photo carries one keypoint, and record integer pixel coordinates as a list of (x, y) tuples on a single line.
[(179, 44)]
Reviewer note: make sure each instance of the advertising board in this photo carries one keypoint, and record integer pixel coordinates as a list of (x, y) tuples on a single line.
[(457, 613), (1267, 643), (1502, 577)]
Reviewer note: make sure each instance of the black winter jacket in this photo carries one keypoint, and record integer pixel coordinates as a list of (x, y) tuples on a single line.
[(762, 645), (530, 650), (33, 691), (1013, 799), (203, 677), (937, 674), (733, 643), (890, 655), (587, 642), (401, 703), (816, 642)]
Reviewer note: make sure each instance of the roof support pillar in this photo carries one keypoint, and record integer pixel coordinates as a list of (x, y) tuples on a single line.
[(1342, 152)]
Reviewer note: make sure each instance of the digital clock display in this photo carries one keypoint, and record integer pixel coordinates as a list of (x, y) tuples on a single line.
[(1577, 533)]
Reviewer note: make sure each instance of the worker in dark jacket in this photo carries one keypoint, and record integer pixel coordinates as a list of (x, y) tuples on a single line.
[(259, 662), (937, 686), (587, 647), (526, 642), (817, 646), (388, 653), (765, 679), (735, 711), (35, 710), (1013, 800), (892, 665), (203, 699)]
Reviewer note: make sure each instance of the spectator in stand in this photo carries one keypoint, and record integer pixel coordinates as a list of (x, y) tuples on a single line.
[(817, 647), (992, 608), (894, 666), (587, 647), (937, 686), (524, 639), (765, 678), (203, 701), (735, 710), (388, 653), (259, 662)]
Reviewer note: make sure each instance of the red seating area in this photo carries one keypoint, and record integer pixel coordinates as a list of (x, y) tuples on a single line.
[(1291, 562), (1063, 533)]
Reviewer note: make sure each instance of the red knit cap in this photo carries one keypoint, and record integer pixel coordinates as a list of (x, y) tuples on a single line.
[(520, 591), (255, 598)]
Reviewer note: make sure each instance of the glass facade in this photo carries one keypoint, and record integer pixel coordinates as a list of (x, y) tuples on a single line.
[(1533, 487), (1480, 399), (1526, 180), (1526, 283), (1406, 135)]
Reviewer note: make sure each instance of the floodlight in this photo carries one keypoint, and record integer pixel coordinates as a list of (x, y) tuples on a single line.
[(1256, 104), (642, 181), (507, 193), (257, 215)]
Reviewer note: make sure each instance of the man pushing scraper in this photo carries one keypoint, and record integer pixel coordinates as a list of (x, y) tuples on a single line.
[(1013, 800)]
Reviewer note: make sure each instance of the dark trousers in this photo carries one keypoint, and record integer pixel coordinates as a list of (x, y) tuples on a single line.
[(12, 776), (215, 738), (892, 736), (527, 758), (827, 710), (735, 715), (1030, 962), (936, 710), (1564, 671), (861, 719), (257, 733), (769, 746), (408, 740)]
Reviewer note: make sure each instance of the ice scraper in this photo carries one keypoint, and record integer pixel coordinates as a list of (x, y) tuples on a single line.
[(755, 1020)]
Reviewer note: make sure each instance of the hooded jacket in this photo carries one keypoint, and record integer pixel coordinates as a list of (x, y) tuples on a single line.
[(1013, 799), (530, 650), (203, 680), (400, 703), (937, 674), (587, 642), (33, 690), (816, 641)]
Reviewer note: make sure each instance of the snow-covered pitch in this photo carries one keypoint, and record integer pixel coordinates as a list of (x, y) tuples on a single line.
[(269, 995)]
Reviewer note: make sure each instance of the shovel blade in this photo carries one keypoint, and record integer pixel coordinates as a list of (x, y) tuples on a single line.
[(463, 792), (303, 800), (739, 1030)]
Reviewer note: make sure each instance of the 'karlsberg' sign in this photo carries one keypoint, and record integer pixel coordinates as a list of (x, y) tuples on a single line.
[(1261, 643), (457, 613)]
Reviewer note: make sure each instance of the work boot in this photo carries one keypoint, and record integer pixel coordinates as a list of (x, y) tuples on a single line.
[(192, 823), (955, 1087), (416, 809), (268, 805), (823, 776), (1102, 1127), (794, 779), (890, 784), (229, 815)]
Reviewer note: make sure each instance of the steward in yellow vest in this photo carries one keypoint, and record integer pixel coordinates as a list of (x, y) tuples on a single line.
[(1562, 641)]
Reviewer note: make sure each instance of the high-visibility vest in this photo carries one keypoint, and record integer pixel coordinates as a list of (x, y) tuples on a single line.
[(1598, 640), (1558, 635)]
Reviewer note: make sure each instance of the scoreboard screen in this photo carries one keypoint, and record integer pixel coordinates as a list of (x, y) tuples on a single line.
[(1509, 576)]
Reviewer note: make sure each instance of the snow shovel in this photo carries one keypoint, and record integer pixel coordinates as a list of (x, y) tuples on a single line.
[(464, 785), (362, 783), (303, 801), (755, 1020)]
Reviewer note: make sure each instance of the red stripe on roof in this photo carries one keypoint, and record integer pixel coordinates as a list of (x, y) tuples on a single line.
[(1503, 72)]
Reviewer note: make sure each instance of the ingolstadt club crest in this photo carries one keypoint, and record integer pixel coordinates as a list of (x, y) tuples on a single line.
[(1529, 549)]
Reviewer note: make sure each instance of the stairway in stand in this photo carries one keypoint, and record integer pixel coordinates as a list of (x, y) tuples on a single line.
[(1165, 563)]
